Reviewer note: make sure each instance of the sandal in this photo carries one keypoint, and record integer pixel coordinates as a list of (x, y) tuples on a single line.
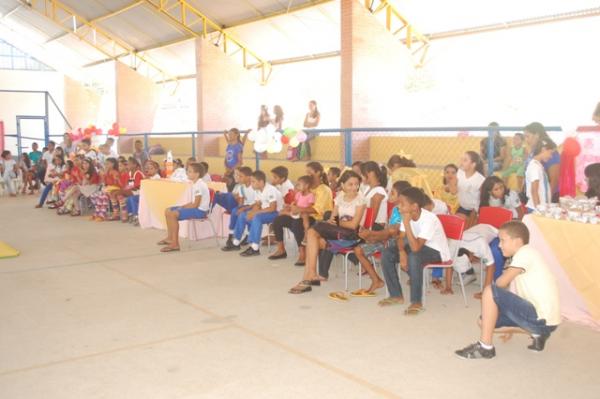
[(363, 293), (76, 213), (390, 302), (163, 242), (301, 288), (437, 284), (338, 296), (169, 249), (413, 311)]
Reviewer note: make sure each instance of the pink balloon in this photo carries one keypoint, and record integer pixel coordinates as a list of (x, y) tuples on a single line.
[(301, 136)]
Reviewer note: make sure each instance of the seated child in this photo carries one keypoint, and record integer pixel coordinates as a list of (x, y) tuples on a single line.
[(231, 200), (333, 174), (180, 173), (279, 179), (266, 208), (534, 309), (495, 193), (378, 241), (244, 197), (470, 178), (152, 172), (518, 155), (198, 209), (422, 241), (303, 198), (448, 192), (118, 198), (101, 199), (8, 172)]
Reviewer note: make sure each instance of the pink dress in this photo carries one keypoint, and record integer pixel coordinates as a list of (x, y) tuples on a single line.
[(303, 201)]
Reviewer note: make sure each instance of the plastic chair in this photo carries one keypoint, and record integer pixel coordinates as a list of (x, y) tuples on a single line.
[(192, 222), (496, 217), (368, 220), (454, 227)]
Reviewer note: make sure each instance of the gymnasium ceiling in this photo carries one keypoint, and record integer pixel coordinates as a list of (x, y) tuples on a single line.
[(273, 29)]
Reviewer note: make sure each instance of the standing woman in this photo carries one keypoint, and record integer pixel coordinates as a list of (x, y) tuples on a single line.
[(278, 120), (264, 118), (311, 121), (534, 133), (317, 212)]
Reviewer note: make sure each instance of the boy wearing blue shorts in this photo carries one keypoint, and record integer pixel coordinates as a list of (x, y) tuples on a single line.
[(268, 203), (197, 209), (534, 309)]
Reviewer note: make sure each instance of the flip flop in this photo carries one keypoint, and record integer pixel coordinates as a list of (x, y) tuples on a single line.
[(413, 311), (390, 302), (363, 293), (163, 242), (169, 249), (338, 296)]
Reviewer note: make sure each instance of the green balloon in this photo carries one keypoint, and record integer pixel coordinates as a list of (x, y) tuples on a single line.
[(289, 132)]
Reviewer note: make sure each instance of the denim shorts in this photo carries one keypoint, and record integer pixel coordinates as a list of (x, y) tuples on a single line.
[(188, 213), (514, 311)]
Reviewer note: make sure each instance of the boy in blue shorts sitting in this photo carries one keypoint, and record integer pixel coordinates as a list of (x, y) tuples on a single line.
[(244, 196), (534, 309), (196, 209), (268, 203)]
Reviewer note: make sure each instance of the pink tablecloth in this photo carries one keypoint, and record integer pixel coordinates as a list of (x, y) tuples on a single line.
[(574, 306), (157, 195)]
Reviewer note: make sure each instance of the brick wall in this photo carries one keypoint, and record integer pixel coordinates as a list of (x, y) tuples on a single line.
[(374, 67)]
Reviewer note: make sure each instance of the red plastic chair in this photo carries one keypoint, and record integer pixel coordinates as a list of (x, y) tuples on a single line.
[(454, 227), (495, 216), (192, 222), (216, 178)]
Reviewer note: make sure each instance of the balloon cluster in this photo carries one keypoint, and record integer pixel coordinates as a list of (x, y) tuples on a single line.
[(85, 133), (266, 139), (293, 138), (115, 130)]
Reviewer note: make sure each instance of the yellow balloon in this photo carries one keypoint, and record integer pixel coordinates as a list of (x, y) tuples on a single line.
[(294, 142), (122, 130)]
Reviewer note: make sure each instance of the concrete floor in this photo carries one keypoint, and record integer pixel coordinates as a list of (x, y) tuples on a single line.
[(92, 310)]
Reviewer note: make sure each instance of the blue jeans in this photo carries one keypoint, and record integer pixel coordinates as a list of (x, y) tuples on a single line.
[(226, 200), (416, 260), (233, 218), (133, 204), (254, 225), (47, 189), (514, 311)]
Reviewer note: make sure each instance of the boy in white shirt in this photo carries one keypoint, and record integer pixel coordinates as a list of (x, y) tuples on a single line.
[(197, 209), (8, 172), (279, 178), (424, 243), (535, 307), (266, 208), (537, 184), (245, 197)]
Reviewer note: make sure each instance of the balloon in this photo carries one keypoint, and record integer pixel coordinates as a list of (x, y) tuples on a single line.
[(289, 132), (262, 136), (251, 135), (277, 147), (571, 147), (285, 139), (301, 137), (294, 142), (270, 129), (98, 132), (122, 130), (260, 146)]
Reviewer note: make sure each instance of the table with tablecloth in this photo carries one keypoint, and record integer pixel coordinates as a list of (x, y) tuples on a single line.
[(157, 195), (572, 252)]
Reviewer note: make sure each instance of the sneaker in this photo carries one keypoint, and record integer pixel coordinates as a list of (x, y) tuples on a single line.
[(230, 247), (229, 241), (468, 278), (244, 241), (476, 351), (250, 252), (539, 341)]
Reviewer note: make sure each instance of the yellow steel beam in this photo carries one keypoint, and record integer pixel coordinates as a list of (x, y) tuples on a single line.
[(92, 34), (181, 13)]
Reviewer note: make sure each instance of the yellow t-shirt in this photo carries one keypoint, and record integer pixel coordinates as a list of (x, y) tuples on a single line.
[(323, 201), (415, 177), (537, 284), (450, 199)]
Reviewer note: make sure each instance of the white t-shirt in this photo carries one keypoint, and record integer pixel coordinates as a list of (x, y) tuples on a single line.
[(200, 188), (246, 192), (468, 189), (206, 178), (537, 284), (268, 195), (347, 209), (48, 156), (9, 168), (53, 168), (439, 207), (156, 177), (511, 202), (285, 187), (363, 188), (429, 228), (535, 172), (381, 217), (179, 174)]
